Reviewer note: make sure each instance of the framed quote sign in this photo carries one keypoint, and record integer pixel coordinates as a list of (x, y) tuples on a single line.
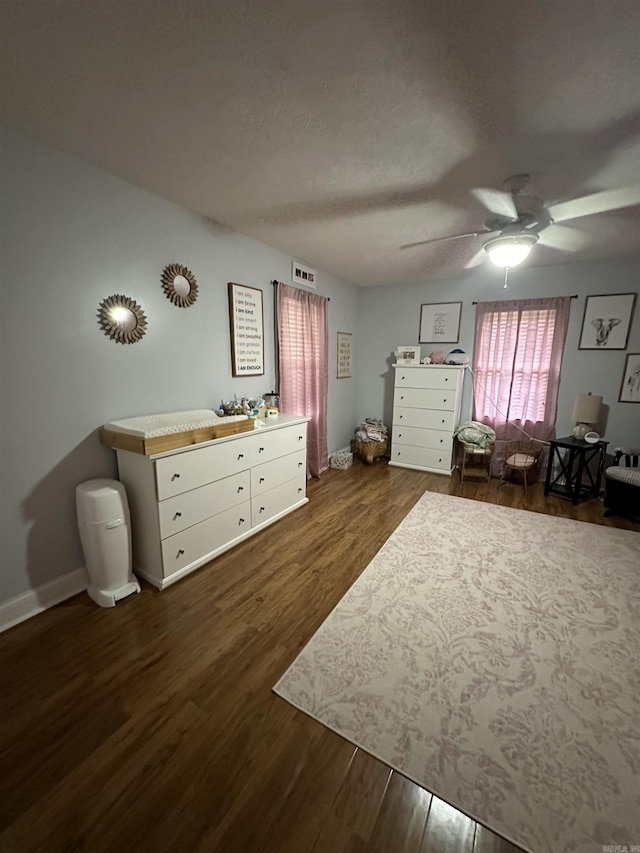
[(247, 330), (440, 323), (344, 355)]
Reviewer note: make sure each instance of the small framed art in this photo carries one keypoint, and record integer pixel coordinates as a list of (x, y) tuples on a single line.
[(440, 323), (630, 386), (606, 321), (344, 355)]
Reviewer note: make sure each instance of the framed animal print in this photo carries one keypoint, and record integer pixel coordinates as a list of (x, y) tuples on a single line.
[(606, 321), (630, 387)]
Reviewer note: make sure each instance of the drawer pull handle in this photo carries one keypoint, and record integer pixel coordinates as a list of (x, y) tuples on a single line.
[(261, 480), (299, 464), (402, 377), (300, 437), (399, 435), (261, 509), (240, 455), (402, 398), (177, 515), (299, 489), (176, 477), (441, 440), (241, 521), (180, 552), (446, 378), (401, 416), (240, 488), (260, 449), (443, 420), (445, 400)]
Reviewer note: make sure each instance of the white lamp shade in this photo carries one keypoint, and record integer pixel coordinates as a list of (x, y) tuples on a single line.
[(586, 409), (510, 250)]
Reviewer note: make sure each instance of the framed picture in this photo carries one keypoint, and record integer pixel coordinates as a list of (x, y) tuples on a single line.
[(630, 387), (344, 355), (247, 330), (300, 274), (407, 355), (606, 321), (440, 323)]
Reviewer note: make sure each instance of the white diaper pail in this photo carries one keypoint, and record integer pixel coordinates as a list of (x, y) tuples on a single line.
[(105, 534)]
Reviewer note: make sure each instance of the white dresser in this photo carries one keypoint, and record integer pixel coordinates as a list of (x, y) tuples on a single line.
[(426, 410), (191, 504)]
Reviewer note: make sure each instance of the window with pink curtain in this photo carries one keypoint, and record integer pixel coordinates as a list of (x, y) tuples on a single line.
[(516, 365), (303, 348)]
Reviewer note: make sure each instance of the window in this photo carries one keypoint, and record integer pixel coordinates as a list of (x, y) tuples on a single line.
[(516, 364), (303, 346)]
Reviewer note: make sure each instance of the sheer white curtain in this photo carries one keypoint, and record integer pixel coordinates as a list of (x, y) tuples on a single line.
[(516, 364), (303, 348)]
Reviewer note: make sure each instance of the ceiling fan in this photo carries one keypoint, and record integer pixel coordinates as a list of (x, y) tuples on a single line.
[(518, 220)]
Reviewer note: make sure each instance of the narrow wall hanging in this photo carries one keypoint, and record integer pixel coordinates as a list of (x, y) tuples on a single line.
[(247, 330)]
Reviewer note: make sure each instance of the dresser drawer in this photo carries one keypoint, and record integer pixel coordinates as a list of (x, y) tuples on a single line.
[(276, 500), (279, 442), (440, 420), (423, 457), (426, 398), (272, 474), (428, 377), (433, 438), (184, 471), (193, 544), (192, 507)]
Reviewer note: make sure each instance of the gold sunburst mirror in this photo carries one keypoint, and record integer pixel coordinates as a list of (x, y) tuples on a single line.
[(122, 319), (179, 285)]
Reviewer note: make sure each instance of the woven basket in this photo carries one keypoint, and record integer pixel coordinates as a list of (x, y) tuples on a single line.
[(370, 450)]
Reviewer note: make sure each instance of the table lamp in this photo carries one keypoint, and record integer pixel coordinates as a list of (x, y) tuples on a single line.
[(586, 411)]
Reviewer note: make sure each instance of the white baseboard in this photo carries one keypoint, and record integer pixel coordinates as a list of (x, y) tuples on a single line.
[(36, 600)]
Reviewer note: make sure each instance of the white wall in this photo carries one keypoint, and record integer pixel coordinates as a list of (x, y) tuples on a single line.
[(73, 235), (390, 317)]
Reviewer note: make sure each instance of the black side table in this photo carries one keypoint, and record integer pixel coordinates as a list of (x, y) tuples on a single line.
[(574, 457)]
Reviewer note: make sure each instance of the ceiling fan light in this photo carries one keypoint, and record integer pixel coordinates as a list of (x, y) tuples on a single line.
[(510, 250)]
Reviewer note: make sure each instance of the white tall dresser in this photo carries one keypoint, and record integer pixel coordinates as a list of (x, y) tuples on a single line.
[(426, 411)]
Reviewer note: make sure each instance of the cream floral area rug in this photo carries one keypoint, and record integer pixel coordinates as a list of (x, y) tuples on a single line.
[(492, 655)]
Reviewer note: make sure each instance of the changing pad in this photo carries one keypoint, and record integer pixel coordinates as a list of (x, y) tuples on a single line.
[(151, 426), (149, 434)]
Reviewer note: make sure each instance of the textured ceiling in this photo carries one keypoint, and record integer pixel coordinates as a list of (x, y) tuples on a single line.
[(341, 131)]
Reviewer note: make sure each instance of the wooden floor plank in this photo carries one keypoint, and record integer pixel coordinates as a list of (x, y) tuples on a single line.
[(153, 725)]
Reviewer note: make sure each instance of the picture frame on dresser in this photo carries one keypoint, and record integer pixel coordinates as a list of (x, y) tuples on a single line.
[(440, 323)]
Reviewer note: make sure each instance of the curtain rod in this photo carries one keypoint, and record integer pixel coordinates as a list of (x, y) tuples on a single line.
[(275, 281), (573, 296)]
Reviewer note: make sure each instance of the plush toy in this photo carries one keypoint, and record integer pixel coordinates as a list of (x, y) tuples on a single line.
[(437, 357), (426, 360)]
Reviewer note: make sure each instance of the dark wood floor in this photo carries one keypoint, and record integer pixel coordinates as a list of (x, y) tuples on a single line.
[(152, 726)]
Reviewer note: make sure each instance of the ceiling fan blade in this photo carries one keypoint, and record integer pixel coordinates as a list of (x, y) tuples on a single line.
[(442, 239), (564, 238), (476, 260), (600, 202), (498, 202)]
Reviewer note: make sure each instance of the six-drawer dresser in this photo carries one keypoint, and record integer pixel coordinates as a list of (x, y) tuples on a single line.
[(191, 504), (426, 410)]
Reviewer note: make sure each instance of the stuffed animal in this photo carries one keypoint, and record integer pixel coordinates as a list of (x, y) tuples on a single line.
[(437, 357)]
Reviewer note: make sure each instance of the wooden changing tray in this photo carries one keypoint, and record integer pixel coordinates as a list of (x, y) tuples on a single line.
[(135, 436)]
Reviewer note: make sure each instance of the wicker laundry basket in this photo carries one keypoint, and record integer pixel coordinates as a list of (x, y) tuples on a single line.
[(369, 450)]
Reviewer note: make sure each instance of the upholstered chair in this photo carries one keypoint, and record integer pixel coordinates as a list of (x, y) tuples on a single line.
[(622, 484)]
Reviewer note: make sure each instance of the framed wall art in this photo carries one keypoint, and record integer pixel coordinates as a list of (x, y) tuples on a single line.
[(440, 323), (344, 355), (300, 274), (247, 330), (630, 386), (606, 321)]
